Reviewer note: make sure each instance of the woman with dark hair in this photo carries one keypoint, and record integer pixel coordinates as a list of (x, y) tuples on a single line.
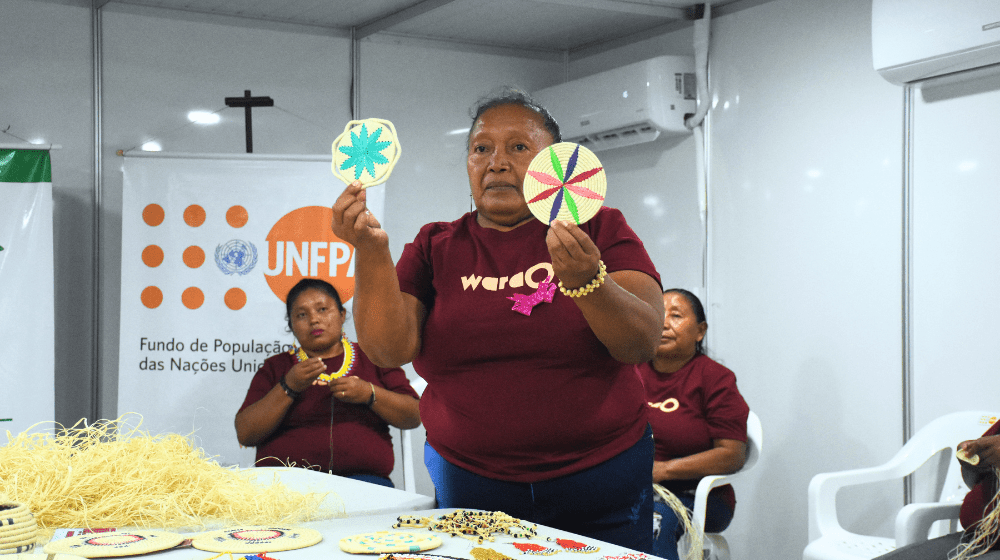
[(340, 426), (699, 420), (539, 415)]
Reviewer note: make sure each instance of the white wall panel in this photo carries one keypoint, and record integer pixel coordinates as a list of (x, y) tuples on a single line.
[(161, 64), (46, 94), (805, 257), (956, 270)]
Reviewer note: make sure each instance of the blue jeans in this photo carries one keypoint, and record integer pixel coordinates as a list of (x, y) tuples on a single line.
[(612, 501), (373, 479), (717, 518)]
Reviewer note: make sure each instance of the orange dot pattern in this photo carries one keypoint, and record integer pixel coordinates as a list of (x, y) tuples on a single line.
[(151, 297), (193, 256), (153, 215), (192, 298), (237, 216), (236, 299), (152, 256), (194, 215)]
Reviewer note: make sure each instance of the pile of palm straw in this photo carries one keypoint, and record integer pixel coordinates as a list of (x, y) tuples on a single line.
[(109, 474)]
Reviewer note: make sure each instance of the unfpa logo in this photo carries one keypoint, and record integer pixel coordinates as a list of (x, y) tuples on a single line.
[(302, 244)]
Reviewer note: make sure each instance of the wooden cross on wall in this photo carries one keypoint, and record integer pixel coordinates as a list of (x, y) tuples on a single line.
[(248, 102)]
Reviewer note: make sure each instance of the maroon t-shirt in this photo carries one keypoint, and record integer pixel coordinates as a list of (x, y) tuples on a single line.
[(975, 502), (509, 396), (691, 407), (349, 439)]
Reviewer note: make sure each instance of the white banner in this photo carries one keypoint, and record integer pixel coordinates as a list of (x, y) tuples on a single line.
[(27, 320), (210, 248)]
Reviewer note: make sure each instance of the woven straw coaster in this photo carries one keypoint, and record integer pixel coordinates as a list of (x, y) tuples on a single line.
[(566, 182), (385, 541), (406, 556), (366, 151), (256, 539), (114, 544), (36, 556)]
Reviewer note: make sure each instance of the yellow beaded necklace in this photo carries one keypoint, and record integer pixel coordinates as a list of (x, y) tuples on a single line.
[(345, 369)]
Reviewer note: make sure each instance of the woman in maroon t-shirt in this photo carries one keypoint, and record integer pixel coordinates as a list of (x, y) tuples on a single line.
[(539, 415), (698, 416), (341, 427)]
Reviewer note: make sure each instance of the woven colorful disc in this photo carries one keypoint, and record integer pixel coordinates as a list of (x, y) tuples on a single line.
[(565, 181), (385, 541), (256, 539), (116, 543), (366, 151)]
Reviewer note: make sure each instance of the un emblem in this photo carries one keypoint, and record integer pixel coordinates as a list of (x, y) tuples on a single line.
[(236, 257)]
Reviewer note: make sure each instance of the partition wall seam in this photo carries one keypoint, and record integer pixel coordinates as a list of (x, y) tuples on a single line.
[(706, 156), (355, 75), (907, 278), (97, 52)]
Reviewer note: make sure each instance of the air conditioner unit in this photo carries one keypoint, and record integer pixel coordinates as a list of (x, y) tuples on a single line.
[(628, 105), (918, 39)]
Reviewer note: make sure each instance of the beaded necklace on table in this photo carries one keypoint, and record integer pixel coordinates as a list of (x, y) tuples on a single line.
[(345, 369)]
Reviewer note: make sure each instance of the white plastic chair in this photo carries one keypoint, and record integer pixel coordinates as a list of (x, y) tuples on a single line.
[(829, 541), (714, 545), (406, 446)]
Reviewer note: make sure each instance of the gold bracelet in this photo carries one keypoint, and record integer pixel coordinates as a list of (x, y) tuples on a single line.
[(372, 400), (593, 285)]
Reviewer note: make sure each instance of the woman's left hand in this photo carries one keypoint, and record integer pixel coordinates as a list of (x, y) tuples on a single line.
[(351, 389), (575, 258)]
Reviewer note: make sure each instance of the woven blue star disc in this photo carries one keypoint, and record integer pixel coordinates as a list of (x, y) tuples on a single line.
[(366, 151)]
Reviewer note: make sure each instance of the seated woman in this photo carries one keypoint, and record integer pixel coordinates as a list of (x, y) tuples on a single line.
[(340, 427), (699, 420), (978, 516)]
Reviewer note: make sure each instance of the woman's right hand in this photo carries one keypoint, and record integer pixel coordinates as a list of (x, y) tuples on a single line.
[(304, 374), (353, 223), (987, 448)]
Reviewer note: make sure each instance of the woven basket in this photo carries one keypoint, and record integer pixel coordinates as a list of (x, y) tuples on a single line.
[(18, 529)]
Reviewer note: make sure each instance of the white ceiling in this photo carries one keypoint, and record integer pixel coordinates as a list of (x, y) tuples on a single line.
[(533, 25)]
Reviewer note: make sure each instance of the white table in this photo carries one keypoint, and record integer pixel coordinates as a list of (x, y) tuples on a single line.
[(359, 498), (335, 529)]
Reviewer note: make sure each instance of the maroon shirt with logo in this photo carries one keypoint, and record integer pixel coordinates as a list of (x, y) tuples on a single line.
[(509, 396), (346, 439), (691, 407)]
